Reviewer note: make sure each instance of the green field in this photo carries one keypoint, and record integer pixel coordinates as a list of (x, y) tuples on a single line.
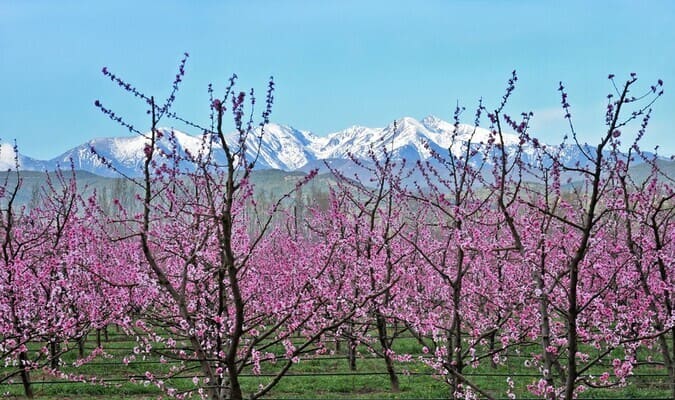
[(324, 377)]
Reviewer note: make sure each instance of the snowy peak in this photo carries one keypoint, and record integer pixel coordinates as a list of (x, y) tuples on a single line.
[(360, 141), (280, 147), (277, 146), (124, 153), (355, 140), (405, 138)]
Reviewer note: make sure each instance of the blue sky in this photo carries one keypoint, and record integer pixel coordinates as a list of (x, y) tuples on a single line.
[(335, 63)]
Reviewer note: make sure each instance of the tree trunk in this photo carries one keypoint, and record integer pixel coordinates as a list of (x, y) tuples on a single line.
[(351, 347), (54, 350), (352, 354), (386, 351), (25, 375), (572, 333), (492, 343), (80, 346), (549, 361)]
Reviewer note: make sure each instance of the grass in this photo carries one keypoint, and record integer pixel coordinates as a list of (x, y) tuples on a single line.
[(327, 377)]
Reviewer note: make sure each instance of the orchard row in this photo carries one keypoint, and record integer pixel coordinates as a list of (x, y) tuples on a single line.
[(483, 254)]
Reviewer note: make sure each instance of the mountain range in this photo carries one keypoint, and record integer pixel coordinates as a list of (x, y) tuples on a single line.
[(286, 148)]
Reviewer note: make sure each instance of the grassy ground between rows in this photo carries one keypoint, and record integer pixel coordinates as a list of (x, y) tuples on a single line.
[(321, 378)]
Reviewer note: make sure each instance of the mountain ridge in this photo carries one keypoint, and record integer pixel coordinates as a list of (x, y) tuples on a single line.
[(284, 147)]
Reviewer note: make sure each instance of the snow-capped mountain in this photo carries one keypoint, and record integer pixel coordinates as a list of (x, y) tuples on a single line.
[(407, 137), (284, 148)]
